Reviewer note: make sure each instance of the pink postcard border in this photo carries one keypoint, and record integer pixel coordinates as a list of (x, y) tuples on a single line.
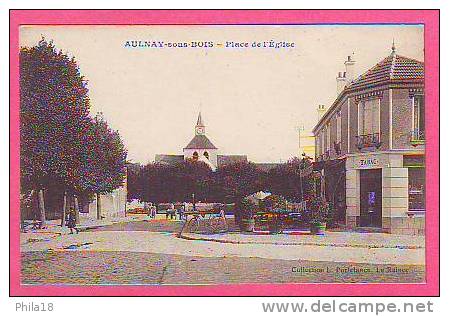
[(430, 19)]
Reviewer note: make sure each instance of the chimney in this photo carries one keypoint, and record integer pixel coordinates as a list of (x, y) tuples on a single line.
[(341, 82), (321, 110), (349, 64)]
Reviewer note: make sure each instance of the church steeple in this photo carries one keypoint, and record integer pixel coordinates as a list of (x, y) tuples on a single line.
[(200, 129)]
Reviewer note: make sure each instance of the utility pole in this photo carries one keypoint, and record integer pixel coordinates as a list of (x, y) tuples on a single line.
[(299, 129)]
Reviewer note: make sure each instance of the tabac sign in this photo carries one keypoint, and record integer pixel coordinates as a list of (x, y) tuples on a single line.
[(368, 162)]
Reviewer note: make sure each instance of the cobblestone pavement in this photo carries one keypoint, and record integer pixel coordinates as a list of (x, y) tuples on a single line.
[(158, 225), (334, 239), (87, 267), (151, 254)]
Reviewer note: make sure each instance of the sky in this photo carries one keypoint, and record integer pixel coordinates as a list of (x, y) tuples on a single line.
[(252, 100)]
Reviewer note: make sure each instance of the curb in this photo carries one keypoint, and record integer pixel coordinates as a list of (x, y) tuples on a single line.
[(223, 241)]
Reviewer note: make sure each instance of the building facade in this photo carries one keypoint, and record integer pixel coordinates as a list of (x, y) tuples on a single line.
[(372, 140)]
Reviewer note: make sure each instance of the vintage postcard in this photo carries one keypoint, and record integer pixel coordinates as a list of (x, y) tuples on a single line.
[(283, 152)]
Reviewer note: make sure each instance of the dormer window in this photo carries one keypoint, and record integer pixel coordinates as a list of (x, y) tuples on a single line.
[(206, 154)]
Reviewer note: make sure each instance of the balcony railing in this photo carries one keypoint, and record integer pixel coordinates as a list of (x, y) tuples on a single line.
[(417, 137), (368, 141)]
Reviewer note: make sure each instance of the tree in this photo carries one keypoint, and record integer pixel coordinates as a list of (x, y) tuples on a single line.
[(54, 108), (192, 177), (237, 180), (157, 181), (100, 166), (135, 181), (291, 180), (177, 182), (62, 147)]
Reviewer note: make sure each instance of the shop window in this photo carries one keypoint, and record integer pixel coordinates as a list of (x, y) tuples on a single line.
[(416, 189)]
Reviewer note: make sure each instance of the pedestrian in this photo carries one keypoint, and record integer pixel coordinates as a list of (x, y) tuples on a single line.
[(147, 208), (180, 212), (172, 211), (71, 223), (153, 211)]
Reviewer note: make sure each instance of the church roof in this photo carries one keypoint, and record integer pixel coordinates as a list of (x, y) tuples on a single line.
[(200, 142), (394, 68)]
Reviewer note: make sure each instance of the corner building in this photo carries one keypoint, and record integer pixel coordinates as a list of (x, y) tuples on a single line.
[(375, 132)]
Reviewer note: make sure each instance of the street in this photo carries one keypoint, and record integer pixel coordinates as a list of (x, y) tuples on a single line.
[(149, 252), (106, 267)]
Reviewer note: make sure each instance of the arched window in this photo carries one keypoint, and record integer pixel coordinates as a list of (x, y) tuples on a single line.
[(206, 154), (195, 156)]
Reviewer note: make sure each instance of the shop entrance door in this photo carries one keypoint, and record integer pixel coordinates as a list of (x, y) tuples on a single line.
[(371, 198)]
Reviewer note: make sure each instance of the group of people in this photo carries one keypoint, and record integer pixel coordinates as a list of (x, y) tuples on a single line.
[(175, 212), (171, 212), (151, 210)]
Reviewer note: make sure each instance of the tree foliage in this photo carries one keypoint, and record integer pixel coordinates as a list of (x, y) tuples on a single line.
[(285, 179), (159, 182), (237, 180), (61, 145), (165, 183), (101, 163), (54, 108)]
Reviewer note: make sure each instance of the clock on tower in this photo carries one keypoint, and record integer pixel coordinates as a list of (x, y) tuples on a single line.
[(200, 130)]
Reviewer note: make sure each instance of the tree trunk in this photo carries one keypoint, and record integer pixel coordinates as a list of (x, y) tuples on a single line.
[(77, 210), (98, 206), (64, 210), (41, 208)]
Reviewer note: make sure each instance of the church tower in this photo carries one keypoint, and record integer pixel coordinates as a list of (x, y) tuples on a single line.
[(200, 129), (200, 147)]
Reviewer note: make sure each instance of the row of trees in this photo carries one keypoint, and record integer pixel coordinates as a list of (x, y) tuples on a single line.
[(64, 150), (229, 184)]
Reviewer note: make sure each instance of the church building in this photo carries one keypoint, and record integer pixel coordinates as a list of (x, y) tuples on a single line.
[(202, 149)]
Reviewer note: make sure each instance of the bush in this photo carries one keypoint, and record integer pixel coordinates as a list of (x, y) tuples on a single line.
[(245, 209), (273, 202), (322, 212)]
